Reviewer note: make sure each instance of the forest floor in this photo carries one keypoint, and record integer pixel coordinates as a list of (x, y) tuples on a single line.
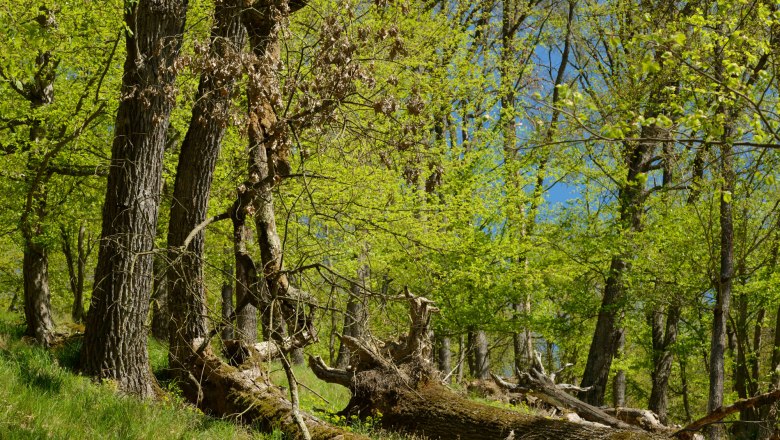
[(42, 397)]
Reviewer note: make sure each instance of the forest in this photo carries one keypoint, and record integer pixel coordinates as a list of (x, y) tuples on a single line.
[(488, 219)]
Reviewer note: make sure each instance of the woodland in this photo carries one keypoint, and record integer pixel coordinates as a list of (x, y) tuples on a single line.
[(489, 219)]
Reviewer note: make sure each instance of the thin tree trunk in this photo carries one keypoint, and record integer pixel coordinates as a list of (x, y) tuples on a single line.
[(444, 357), (356, 314), (723, 300), (461, 358), (159, 300), (115, 338), (607, 334), (619, 382), (481, 355), (228, 330), (75, 264)]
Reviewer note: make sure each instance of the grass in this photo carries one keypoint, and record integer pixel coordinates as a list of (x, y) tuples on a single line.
[(41, 398)]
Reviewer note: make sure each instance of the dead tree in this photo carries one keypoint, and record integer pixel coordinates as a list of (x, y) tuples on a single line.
[(398, 380)]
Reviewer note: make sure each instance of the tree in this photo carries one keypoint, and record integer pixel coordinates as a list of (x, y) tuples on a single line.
[(115, 336)]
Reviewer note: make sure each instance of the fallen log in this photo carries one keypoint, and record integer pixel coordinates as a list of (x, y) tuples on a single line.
[(764, 399), (248, 396), (396, 381), (537, 383)]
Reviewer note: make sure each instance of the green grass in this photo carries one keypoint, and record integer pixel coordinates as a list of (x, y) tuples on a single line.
[(41, 398)]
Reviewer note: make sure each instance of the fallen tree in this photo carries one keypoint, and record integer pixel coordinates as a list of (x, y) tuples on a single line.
[(397, 380), (537, 383), (722, 412)]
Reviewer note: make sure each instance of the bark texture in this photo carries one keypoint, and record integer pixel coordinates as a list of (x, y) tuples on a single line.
[(115, 337), (194, 174)]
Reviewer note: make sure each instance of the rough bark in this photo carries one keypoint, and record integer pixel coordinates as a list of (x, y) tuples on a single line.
[(115, 337), (194, 174), (397, 379)]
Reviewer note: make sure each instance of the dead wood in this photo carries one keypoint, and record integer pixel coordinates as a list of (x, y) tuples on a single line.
[(722, 412), (248, 396), (397, 380)]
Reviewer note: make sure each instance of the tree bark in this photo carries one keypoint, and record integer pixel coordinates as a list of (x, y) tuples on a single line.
[(75, 263), (663, 339), (194, 174), (37, 298), (115, 337), (481, 355)]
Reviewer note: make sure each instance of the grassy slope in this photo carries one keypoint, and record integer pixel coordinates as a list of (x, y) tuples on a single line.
[(41, 399)]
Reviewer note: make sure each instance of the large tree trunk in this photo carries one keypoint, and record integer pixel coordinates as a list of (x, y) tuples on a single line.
[(194, 174), (398, 381), (205, 379), (115, 337)]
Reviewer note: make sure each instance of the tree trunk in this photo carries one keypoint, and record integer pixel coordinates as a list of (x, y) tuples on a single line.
[(481, 355), (35, 263), (356, 314), (37, 299), (75, 263), (607, 334), (194, 174), (160, 315), (228, 331), (619, 382), (445, 357), (397, 380), (246, 283), (663, 339), (115, 337)]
